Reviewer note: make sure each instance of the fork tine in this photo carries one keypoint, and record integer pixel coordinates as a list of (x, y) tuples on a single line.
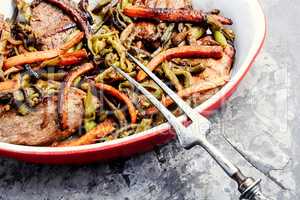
[(179, 101), (178, 127)]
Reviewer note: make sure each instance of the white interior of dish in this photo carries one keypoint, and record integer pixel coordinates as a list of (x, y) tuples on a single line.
[(249, 26)]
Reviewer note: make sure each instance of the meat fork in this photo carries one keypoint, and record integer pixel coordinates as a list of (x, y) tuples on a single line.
[(195, 134)]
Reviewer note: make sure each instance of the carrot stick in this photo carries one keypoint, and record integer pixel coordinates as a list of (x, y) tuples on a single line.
[(9, 86), (165, 14), (182, 52), (90, 137), (39, 56), (197, 88), (28, 58), (72, 58), (121, 96), (63, 98), (72, 42)]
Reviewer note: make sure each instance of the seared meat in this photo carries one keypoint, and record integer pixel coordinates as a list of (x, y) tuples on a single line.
[(50, 25), (41, 127)]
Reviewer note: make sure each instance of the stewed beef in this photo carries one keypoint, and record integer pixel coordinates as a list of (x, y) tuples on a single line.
[(41, 126), (50, 25)]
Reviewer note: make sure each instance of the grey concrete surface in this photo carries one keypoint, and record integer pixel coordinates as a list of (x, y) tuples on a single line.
[(262, 119)]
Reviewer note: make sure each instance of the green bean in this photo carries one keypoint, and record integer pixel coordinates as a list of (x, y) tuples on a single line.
[(220, 38), (195, 33), (23, 109), (104, 35), (98, 46), (25, 81), (153, 88), (5, 35), (54, 76), (171, 76), (120, 132), (18, 96), (77, 81), (124, 86), (78, 46), (215, 25), (19, 99), (48, 87), (90, 111), (144, 125), (187, 77), (85, 86), (101, 77), (32, 97), (106, 51), (126, 19), (229, 34), (196, 69), (117, 45), (124, 4), (117, 112), (168, 33)]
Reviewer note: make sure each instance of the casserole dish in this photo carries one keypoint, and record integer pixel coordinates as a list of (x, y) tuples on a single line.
[(250, 28)]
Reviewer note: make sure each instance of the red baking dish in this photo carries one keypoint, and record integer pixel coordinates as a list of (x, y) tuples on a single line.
[(250, 27)]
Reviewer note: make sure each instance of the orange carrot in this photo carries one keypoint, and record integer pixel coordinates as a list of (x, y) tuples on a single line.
[(121, 96), (197, 88), (72, 42), (90, 137), (182, 52), (9, 86), (39, 56), (72, 58), (31, 57), (165, 14), (63, 98)]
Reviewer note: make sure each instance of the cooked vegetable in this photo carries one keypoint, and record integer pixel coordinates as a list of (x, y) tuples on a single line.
[(63, 99), (197, 88), (75, 39), (182, 52), (90, 137), (29, 58), (90, 111), (58, 86), (119, 95), (165, 14)]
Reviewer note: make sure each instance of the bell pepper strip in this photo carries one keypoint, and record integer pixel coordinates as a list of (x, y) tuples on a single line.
[(74, 13), (102, 130), (63, 96), (121, 96), (182, 52), (165, 14), (197, 88), (73, 41)]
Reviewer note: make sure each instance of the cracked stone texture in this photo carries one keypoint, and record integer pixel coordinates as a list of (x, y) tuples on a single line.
[(261, 120)]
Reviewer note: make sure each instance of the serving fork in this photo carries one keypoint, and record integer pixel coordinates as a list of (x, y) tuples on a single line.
[(196, 133)]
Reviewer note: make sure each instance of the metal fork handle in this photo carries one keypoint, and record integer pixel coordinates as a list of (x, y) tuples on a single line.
[(247, 186)]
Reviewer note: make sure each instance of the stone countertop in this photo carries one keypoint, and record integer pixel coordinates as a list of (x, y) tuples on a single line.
[(265, 110)]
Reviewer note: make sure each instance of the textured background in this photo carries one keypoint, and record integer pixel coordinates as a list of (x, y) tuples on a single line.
[(261, 120)]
